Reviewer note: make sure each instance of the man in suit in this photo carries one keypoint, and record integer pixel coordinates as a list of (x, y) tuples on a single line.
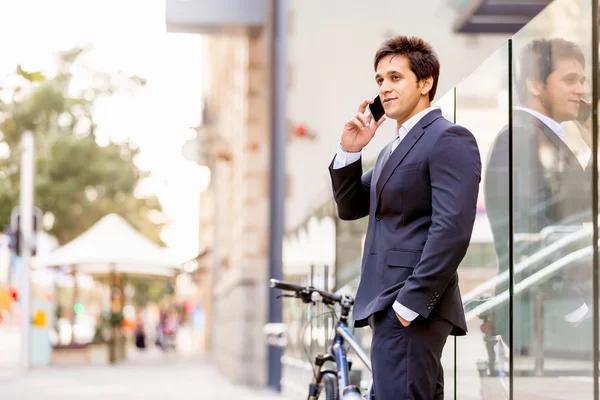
[(421, 200), (550, 185)]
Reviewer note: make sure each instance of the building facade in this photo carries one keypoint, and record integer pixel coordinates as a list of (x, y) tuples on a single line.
[(238, 94), (234, 142)]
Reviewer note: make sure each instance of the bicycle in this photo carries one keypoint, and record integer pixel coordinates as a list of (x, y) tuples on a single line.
[(334, 384)]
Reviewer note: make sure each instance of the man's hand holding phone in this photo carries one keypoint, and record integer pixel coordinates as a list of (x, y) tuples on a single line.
[(584, 122), (359, 131)]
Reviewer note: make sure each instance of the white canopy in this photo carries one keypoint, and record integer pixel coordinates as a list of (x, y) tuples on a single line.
[(114, 245)]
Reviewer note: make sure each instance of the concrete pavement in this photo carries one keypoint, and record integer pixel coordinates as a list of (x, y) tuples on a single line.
[(10, 346), (148, 376), (153, 374)]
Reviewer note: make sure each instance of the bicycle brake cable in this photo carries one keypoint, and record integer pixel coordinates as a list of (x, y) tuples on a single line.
[(306, 324)]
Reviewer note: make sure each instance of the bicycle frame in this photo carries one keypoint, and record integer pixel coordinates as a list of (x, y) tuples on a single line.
[(337, 354)]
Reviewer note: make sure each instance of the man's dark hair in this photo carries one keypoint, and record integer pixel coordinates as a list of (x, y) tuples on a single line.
[(538, 61), (423, 60)]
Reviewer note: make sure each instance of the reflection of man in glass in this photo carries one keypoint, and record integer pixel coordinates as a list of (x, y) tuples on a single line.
[(551, 188)]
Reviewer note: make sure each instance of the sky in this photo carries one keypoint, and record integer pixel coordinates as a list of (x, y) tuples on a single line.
[(127, 35)]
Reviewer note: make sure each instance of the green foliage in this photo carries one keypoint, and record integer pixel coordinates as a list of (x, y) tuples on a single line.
[(115, 319), (149, 290), (77, 180), (30, 76)]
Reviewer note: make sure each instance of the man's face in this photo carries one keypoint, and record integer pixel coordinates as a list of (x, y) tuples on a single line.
[(563, 89), (398, 87)]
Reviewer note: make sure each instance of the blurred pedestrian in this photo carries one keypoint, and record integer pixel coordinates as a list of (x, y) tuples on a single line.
[(140, 334)]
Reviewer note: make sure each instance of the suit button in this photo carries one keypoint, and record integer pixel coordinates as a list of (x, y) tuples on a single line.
[(429, 307), (378, 217)]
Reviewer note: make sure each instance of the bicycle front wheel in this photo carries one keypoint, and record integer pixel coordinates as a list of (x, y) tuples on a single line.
[(328, 389)]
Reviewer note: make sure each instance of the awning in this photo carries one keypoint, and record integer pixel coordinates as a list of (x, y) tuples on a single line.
[(114, 245)]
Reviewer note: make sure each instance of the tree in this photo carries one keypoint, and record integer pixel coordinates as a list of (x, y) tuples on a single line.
[(149, 290), (77, 180)]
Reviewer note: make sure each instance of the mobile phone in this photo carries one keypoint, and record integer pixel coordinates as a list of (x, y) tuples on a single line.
[(376, 109), (585, 109)]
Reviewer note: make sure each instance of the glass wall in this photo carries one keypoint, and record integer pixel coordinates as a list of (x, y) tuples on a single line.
[(447, 104), (482, 104), (527, 280), (552, 205)]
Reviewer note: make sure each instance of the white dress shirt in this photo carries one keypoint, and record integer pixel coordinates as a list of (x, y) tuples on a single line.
[(343, 158), (554, 126), (582, 153)]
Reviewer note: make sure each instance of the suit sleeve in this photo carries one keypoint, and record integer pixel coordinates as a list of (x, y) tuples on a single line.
[(455, 173), (351, 190)]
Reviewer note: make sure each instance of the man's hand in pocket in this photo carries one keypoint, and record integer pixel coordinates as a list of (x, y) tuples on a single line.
[(404, 322)]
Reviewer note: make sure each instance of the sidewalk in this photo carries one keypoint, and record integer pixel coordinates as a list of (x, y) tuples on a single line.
[(151, 375)]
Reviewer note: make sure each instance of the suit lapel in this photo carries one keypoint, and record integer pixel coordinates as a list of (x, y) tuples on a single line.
[(381, 160), (412, 137), (552, 137)]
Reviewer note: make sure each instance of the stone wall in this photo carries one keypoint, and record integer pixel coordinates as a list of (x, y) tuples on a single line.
[(239, 95)]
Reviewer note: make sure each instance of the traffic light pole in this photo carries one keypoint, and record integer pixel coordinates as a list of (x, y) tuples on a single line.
[(26, 229)]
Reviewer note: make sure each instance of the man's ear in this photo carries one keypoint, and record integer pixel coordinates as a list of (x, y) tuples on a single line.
[(534, 87), (426, 85)]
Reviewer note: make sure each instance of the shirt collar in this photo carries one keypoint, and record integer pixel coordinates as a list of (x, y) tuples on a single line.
[(412, 121), (556, 127)]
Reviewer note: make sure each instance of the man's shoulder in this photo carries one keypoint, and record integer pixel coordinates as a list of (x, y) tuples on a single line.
[(442, 126)]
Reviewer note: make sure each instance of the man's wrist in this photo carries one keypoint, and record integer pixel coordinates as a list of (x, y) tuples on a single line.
[(349, 150), (406, 313), (344, 158)]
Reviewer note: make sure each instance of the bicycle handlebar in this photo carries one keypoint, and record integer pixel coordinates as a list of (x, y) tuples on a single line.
[(277, 284), (306, 291)]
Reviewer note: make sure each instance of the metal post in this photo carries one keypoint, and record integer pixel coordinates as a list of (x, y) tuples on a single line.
[(216, 249), (537, 344), (112, 345), (311, 283), (278, 63), (326, 317), (26, 228), (596, 255)]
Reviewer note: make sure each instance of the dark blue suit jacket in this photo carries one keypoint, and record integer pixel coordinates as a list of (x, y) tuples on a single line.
[(421, 212)]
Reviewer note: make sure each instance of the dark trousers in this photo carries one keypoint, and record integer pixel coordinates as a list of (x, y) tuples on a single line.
[(407, 361)]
